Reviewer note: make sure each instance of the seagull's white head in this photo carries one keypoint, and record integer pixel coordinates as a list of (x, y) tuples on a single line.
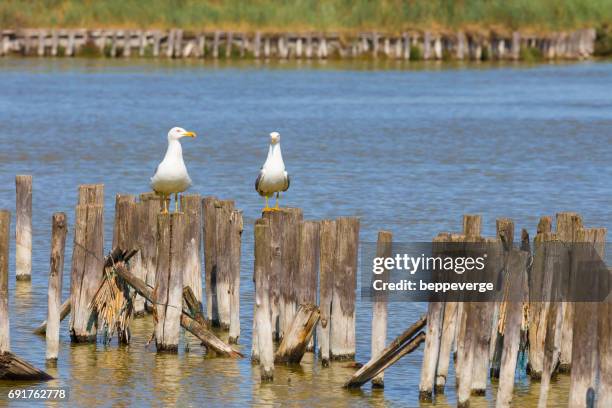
[(177, 133), (274, 138)]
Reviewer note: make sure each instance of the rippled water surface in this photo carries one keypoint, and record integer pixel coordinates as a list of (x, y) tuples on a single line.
[(406, 148)]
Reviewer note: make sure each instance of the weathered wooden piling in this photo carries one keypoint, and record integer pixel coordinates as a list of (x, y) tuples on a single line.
[(263, 347), (327, 261), (148, 207), (191, 205), (296, 339), (23, 228), (468, 325), (379, 305), (5, 229), (222, 231), (56, 272), (583, 284), (604, 336), (308, 266), (517, 264), (125, 236), (342, 336), (435, 319), (568, 224), (169, 280), (87, 261)]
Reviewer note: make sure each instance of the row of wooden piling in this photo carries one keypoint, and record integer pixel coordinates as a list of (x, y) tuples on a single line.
[(177, 43)]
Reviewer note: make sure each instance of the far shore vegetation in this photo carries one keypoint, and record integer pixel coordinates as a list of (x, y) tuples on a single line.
[(343, 16)]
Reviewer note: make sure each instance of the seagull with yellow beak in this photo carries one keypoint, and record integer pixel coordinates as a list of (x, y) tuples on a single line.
[(171, 175), (272, 177)]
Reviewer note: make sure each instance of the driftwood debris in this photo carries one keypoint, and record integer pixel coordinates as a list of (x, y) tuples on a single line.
[(187, 322), (14, 368), (296, 339), (64, 311), (403, 344)]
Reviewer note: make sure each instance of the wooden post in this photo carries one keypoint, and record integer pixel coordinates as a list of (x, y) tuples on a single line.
[(327, 261), (23, 228), (215, 51), (342, 338), (291, 218), (148, 208), (551, 345), (210, 257), (585, 283), (435, 318), (126, 237), (229, 37), (262, 333), (191, 205), (379, 305), (468, 325), (5, 230), (56, 272), (224, 279), (517, 265), (308, 268), (257, 45), (87, 261), (127, 44), (236, 228), (604, 336), (568, 225), (538, 310), (169, 280), (296, 339)]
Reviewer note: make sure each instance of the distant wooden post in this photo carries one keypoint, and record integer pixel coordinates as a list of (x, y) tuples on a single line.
[(342, 338), (191, 205), (327, 261), (517, 264), (308, 268), (169, 280), (87, 261), (5, 230), (23, 228), (379, 306), (210, 257), (148, 208), (568, 225), (585, 283), (262, 335), (56, 272)]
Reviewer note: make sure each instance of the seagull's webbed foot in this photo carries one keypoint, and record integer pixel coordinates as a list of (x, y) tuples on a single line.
[(267, 207), (165, 206)]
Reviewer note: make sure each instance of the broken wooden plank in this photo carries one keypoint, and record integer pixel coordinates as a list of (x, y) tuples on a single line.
[(64, 311), (295, 341), (394, 351), (14, 368)]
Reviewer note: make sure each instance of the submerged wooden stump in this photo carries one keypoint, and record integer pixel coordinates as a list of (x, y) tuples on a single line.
[(308, 268), (169, 280), (148, 208), (23, 228), (14, 368), (263, 347), (379, 307), (191, 205)]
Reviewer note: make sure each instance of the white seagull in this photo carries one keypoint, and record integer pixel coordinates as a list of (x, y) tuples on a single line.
[(272, 177), (171, 174)]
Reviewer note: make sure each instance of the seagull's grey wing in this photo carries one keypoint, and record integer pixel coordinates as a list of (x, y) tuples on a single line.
[(155, 172), (287, 181), (258, 181)]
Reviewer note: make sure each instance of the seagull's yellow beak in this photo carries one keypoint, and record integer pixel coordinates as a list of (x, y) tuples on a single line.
[(189, 134)]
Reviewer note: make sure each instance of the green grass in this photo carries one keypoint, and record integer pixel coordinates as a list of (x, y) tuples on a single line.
[(325, 15)]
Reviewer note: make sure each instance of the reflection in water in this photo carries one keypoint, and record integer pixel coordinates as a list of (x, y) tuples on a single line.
[(409, 147)]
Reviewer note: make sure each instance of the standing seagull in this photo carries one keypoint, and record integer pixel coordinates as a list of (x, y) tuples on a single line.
[(272, 177), (171, 174)]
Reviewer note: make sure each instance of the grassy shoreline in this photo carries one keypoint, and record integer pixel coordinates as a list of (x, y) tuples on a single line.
[(343, 16)]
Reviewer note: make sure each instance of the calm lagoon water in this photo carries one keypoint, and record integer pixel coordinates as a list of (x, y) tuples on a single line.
[(408, 148)]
